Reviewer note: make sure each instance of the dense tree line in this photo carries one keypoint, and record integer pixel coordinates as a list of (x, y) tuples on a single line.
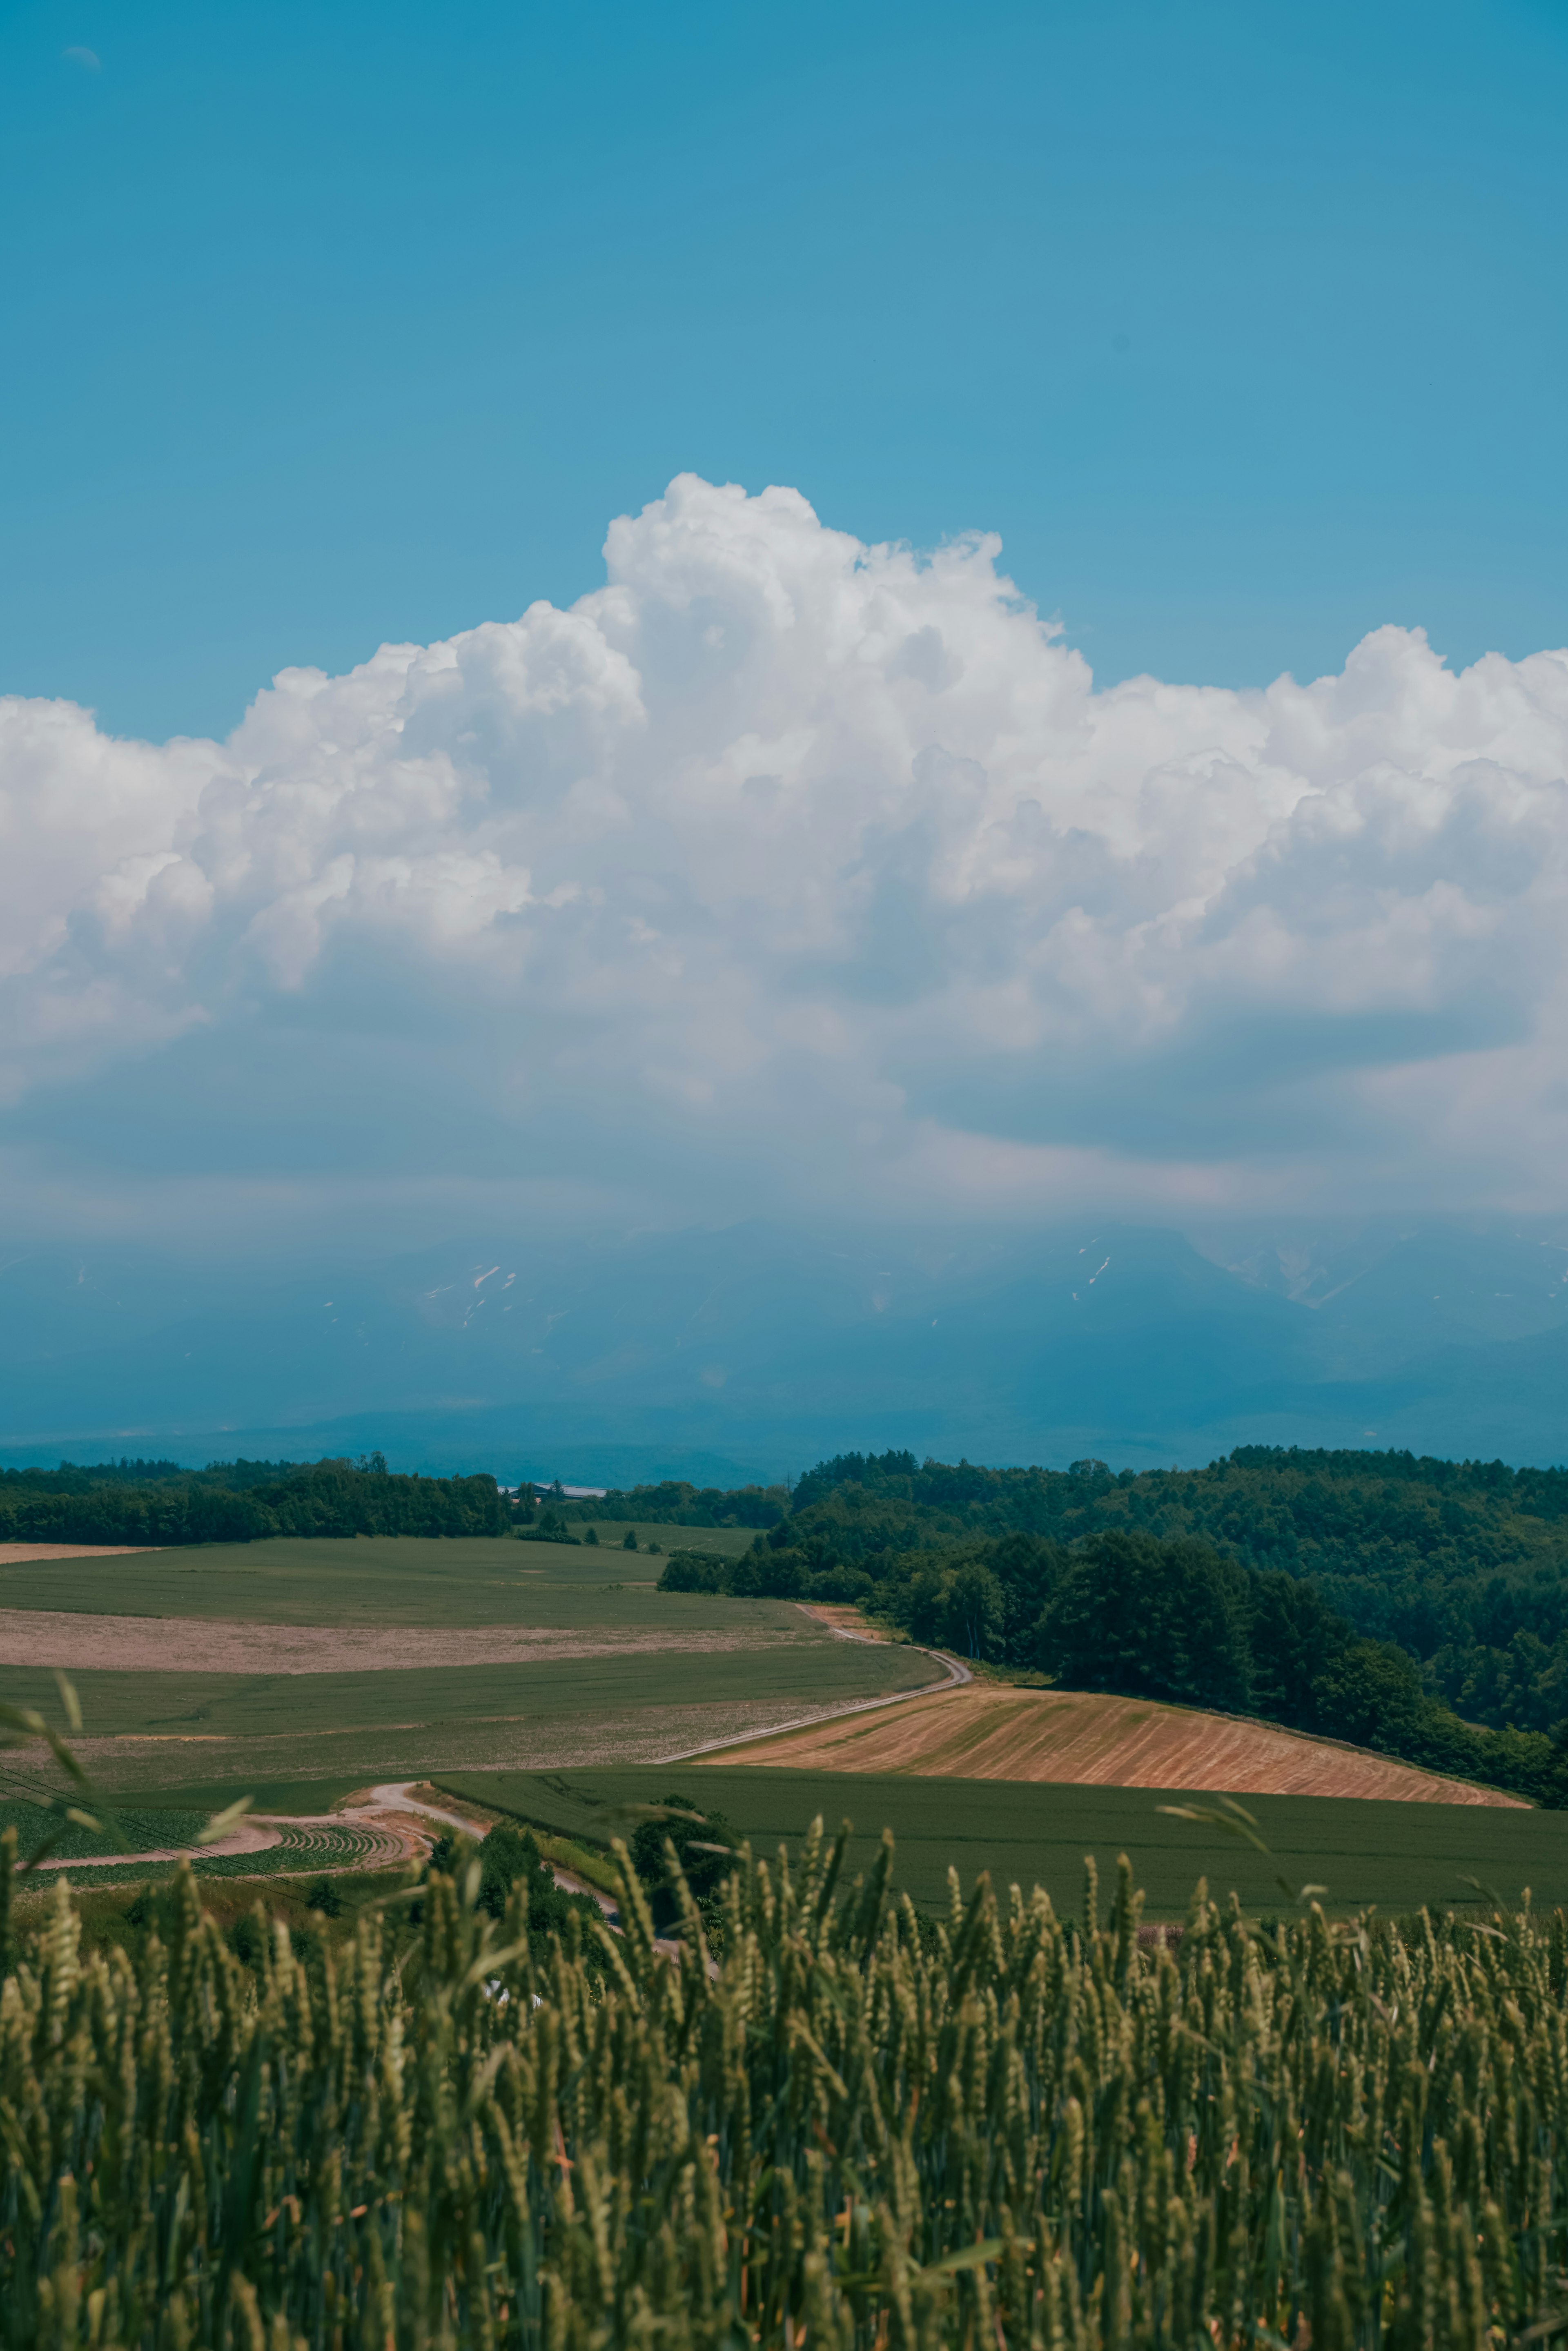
[(227, 1503), (87, 1478), (674, 1503), (1293, 1585), (1462, 1564)]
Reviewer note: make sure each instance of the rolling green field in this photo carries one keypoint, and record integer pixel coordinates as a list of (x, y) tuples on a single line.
[(1398, 1857), (149, 1725), (382, 1580), (143, 1730), (577, 1734)]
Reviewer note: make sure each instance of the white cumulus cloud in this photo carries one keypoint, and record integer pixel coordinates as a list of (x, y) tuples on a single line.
[(825, 864)]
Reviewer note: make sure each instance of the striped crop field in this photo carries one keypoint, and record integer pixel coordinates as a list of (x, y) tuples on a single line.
[(856, 2131), (264, 1848), (984, 1732)]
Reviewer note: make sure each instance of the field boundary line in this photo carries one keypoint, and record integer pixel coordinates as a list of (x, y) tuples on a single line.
[(956, 1673)]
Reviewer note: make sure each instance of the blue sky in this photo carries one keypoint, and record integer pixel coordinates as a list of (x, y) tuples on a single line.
[(705, 853), (1244, 326)]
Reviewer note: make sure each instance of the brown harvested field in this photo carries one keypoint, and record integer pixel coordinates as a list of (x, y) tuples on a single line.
[(982, 1732), (206, 1645), (18, 1554)]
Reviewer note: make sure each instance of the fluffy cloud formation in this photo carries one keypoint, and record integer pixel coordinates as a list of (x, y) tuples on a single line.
[(826, 863)]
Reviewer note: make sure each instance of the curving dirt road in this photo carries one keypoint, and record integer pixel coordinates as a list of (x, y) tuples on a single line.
[(954, 1671), (392, 1798)]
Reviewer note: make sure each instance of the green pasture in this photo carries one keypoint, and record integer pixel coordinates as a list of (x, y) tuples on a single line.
[(393, 1580), (205, 1797), (147, 1730), (1394, 1856)]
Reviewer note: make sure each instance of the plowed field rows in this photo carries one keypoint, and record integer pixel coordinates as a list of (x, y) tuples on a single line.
[(294, 1849), (22, 1555), (330, 1844), (981, 1732)]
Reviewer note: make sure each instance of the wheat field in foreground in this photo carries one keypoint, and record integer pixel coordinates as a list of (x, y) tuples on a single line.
[(851, 2133)]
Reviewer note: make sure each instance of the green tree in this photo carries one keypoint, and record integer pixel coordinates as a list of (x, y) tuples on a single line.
[(1297, 1641), (974, 1609), (693, 1571), (1149, 1619), (508, 1853), (1371, 1694), (704, 1843)]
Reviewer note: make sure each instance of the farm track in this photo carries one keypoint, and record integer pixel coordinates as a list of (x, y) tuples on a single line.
[(393, 1797), (724, 1750)]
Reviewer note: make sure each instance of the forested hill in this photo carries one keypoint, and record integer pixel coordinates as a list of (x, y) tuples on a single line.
[(1309, 1512), (1462, 1564), (1430, 1590), (158, 1502)]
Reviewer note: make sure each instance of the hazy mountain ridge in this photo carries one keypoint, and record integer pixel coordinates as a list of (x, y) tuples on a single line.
[(750, 1350)]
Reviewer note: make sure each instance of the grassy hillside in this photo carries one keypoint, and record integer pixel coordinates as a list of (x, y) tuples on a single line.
[(378, 1580), (719, 1542), (146, 1729)]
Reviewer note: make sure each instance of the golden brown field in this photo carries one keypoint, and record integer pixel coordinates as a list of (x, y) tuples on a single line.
[(19, 1554), (984, 1732), (207, 1644)]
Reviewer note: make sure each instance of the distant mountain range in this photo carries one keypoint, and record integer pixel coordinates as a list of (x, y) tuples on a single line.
[(751, 1351)]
